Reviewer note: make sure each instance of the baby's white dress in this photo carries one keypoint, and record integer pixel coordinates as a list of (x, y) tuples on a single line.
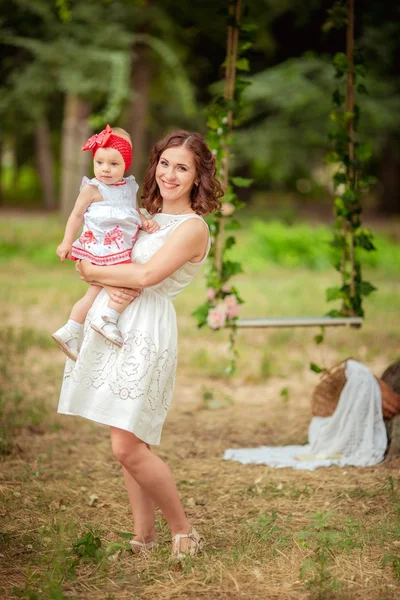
[(131, 387), (111, 225)]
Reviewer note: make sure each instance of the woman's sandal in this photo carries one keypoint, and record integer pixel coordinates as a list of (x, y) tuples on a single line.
[(138, 547), (194, 545)]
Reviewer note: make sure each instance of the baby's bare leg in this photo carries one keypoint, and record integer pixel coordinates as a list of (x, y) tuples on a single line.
[(119, 308), (81, 308)]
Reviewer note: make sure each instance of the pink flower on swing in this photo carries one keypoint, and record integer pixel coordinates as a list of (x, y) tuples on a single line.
[(210, 294), (227, 209), (232, 306), (234, 312), (217, 316)]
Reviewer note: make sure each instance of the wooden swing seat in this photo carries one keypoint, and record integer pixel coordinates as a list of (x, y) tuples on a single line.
[(260, 322)]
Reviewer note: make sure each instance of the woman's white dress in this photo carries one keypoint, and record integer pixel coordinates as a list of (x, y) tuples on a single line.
[(131, 387)]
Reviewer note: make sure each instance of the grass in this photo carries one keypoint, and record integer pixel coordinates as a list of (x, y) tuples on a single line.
[(271, 534)]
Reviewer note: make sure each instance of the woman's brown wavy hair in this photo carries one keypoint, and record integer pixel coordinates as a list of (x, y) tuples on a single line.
[(204, 197)]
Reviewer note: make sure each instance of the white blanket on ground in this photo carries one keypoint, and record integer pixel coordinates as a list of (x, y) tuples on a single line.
[(354, 435)]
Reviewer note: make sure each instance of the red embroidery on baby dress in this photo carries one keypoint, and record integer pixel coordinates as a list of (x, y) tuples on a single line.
[(88, 238), (114, 236), (134, 237)]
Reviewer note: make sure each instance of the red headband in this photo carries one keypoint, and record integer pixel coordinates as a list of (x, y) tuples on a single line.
[(107, 139)]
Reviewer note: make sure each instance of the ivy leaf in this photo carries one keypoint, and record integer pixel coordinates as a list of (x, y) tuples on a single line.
[(349, 196), (332, 157), (314, 367), (241, 85), (335, 313), (201, 314), (340, 62), (367, 182), (318, 339), (366, 288), (360, 70), (363, 152), (364, 239), (242, 182), (339, 178), (242, 64), (340, 208), (230, 268), (334, 293), (233, 225), (243, 46), (212, 122), (229, 242)]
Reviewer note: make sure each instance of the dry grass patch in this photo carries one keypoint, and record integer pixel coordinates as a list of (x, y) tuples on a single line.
[(271, 534)]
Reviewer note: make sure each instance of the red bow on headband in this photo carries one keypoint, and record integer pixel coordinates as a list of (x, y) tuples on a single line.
[(98, 140)]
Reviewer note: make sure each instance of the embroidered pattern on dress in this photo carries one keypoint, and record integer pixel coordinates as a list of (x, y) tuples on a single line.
[(132, 373), (87, 238), (113, 236)]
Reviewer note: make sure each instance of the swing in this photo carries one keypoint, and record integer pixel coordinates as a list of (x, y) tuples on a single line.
[(350, 235), (261, 322)]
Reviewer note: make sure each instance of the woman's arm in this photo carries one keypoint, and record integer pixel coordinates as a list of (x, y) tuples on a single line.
[(187, 243)]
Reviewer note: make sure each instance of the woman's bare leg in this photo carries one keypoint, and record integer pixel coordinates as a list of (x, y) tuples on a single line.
[(143, 510), (153, 476)]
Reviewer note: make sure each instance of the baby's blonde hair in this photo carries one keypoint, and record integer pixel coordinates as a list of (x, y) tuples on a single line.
[(122, 133)]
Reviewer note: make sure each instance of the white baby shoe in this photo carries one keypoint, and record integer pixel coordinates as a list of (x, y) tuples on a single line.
[(107, 327), (64, 336)]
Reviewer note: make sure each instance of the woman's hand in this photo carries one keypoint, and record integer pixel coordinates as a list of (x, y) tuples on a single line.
[(83, 267), (122, 295)]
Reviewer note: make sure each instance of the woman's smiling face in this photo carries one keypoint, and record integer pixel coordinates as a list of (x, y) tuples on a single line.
[(176, 174)]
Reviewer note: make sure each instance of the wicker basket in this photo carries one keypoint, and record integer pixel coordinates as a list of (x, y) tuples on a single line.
[(327, 393), (390, 400), (391, 376)]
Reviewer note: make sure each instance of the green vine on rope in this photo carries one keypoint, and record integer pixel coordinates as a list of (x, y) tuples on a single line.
[(351, 179), (222, 305)]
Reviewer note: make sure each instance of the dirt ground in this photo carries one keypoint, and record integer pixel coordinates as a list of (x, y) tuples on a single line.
[(263, 527), (270, 533)]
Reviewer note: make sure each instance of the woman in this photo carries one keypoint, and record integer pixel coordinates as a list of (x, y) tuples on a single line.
[(131, 388)]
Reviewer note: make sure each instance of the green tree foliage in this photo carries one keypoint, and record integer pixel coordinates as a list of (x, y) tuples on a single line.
[(87, 47), (286, 131)]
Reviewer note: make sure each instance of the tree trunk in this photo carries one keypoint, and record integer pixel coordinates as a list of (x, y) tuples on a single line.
[(74, 162), (140, 85), (1, 171), (350, 133), (390, 177), (235, 11), (45, 161)]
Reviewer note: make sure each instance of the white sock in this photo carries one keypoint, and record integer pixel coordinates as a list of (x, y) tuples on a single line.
[(110, 312), (75, 328), (74, 325)]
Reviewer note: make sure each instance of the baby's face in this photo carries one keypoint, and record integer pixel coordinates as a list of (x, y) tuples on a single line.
[(109, 166)]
